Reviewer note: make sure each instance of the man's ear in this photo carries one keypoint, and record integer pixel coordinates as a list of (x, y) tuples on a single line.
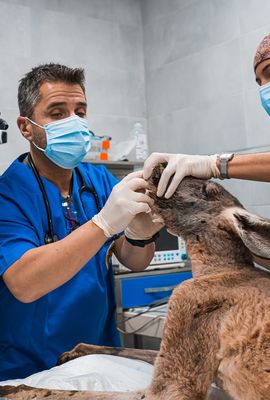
[(25, 127)]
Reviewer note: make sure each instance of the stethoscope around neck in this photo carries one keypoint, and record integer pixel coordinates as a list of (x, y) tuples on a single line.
[(51, 237)]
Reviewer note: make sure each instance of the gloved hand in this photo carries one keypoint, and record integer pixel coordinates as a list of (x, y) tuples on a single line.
[(180, 165), (124, 202), (143, 226)]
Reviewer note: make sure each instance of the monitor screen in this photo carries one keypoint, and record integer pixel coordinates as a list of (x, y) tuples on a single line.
[(166, 241)]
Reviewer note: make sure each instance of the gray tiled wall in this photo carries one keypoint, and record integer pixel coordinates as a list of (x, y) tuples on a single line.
[(182, 67), (104, 36), (200, 89)]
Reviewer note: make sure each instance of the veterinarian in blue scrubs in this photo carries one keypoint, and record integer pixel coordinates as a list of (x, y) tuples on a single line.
[(60, 219), (254, 166)]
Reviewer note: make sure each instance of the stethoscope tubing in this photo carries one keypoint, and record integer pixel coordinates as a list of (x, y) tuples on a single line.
[(50, 236)]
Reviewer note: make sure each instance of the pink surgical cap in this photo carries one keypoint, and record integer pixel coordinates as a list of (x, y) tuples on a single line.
[(263, 51)]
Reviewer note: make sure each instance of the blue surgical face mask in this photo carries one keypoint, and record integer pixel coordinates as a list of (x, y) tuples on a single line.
[(265, 97), (68, 141)]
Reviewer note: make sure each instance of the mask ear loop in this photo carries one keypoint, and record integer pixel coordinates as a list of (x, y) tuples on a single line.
[(40, 126), (34, 123), (39, 148)]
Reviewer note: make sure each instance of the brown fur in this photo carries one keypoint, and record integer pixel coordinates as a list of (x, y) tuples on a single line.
[(23, 392), (84, 349), (218, 323)]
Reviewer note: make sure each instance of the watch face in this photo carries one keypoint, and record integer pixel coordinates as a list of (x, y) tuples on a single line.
[(227, 156)]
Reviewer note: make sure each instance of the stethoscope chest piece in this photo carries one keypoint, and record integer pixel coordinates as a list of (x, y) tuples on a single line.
[(50, 239)]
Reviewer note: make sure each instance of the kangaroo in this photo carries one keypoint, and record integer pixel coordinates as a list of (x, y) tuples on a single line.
[(218, 323)]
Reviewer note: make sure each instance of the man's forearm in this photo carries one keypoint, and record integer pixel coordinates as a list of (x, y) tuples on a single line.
[(134, 257), (43, 269), (250, 166)]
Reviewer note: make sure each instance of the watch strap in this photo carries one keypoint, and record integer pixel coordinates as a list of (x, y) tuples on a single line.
[(224, 159), (142, 243)]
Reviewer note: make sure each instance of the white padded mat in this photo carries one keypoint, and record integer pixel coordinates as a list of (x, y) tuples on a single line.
[(97, 372)]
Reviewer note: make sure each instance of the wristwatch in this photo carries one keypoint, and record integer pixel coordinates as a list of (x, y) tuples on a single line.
[(141, 243), (224, 159)]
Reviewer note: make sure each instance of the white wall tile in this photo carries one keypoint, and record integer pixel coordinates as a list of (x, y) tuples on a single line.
[(262, 211), (127, 12), (102, 10), (117, 127), (200, 84), (192, 29), (115, 92), (127, 48), (250, 193), (202, 129), (253, 14), (158, 9), (193, 79), (103, 36), (59, 36), (15, 36)]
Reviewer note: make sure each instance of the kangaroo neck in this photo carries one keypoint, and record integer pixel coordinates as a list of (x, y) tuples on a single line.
[(211, 255)]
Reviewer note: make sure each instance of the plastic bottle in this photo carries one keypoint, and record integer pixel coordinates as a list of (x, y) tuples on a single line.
[(141, 148)]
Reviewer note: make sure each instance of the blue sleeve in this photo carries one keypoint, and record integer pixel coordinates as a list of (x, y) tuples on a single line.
[(17, 233)]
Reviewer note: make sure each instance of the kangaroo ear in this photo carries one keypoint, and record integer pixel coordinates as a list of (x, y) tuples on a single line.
[(254, 232)]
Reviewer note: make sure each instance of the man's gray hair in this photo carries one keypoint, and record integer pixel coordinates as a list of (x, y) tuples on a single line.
[(28, 91)]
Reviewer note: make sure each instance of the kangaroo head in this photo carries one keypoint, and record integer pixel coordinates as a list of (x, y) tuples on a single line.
[(204, 207)]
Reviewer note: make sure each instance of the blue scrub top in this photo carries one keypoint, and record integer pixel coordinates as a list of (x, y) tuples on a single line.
[(33, 335)]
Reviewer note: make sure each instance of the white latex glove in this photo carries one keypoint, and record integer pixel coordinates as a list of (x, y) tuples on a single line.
[(124, 202), (180, 165), (143, 226)]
